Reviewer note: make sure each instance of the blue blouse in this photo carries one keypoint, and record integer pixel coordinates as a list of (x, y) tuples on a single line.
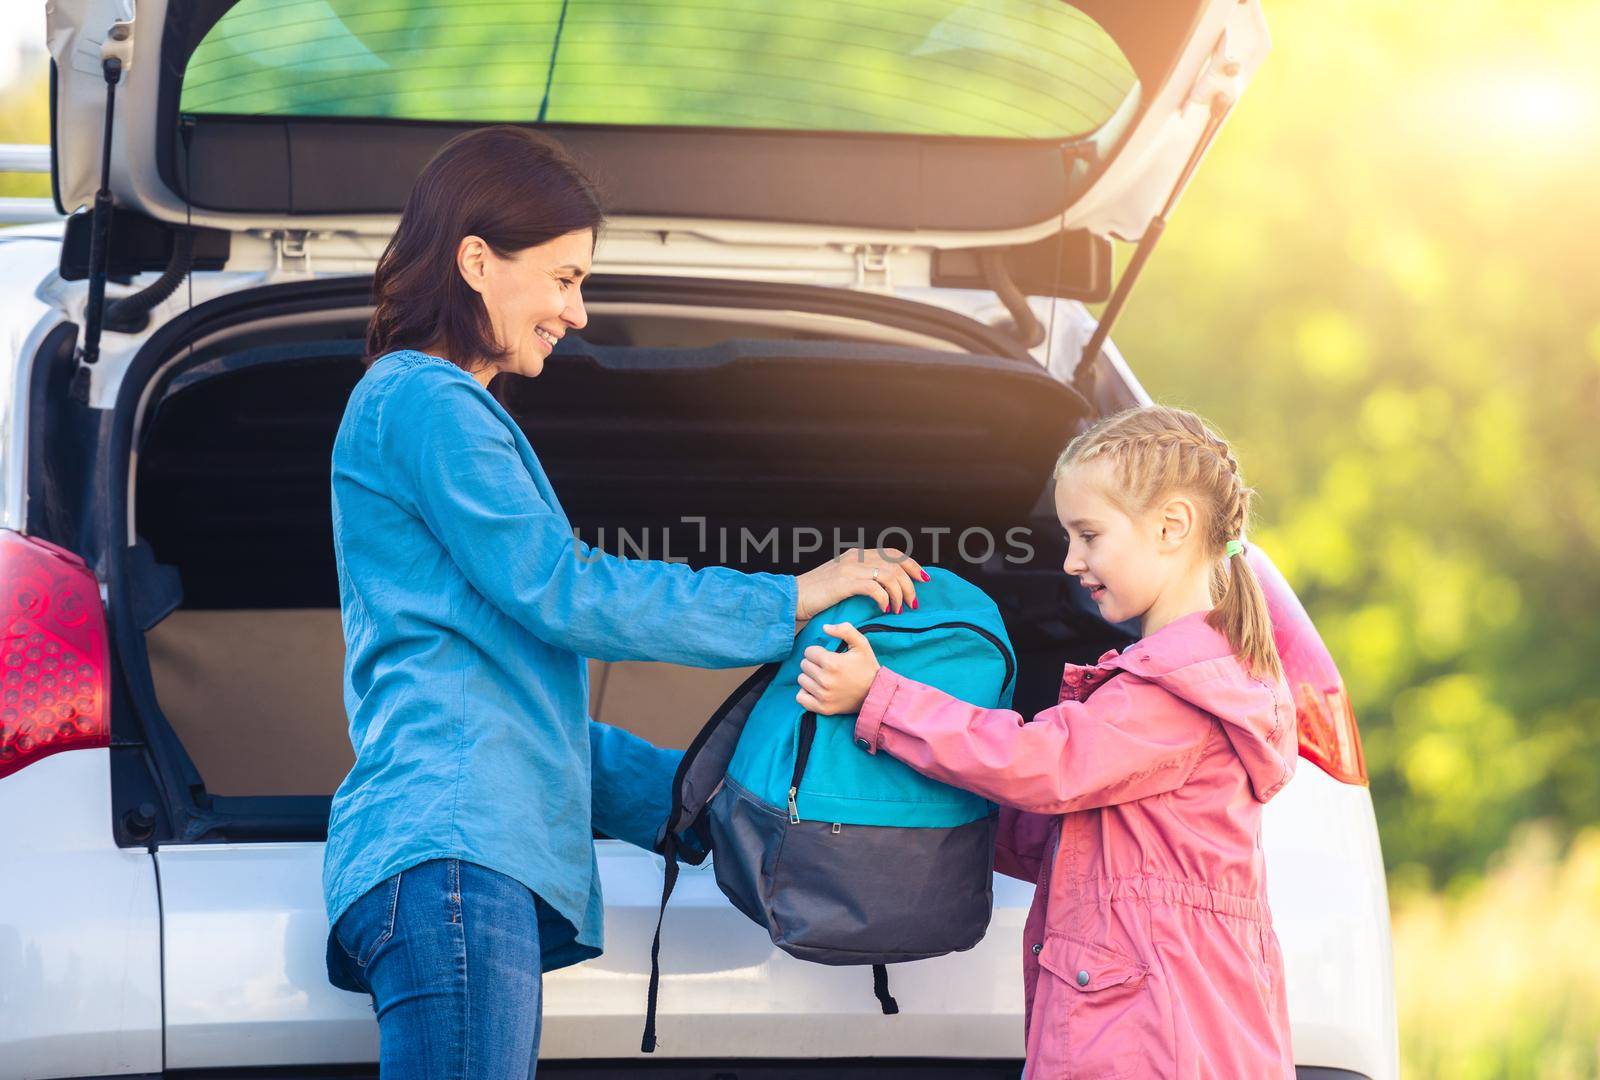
[(469, 609)]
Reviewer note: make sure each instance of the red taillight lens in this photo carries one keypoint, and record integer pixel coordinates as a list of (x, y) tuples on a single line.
[(1328, 735), (55, 679), (1328, 732)]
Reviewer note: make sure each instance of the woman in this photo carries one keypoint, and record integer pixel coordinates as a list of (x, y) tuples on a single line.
[(460, 863)]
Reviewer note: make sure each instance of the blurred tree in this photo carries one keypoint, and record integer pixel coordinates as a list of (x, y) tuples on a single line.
[(1383, 284)]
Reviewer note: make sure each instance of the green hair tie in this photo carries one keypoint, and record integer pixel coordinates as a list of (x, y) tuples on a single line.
[(1235, 547)]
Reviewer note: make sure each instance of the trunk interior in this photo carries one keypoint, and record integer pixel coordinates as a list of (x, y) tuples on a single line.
[(650, 424)]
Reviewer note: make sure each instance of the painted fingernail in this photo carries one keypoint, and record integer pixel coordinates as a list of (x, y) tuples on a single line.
[(913, 605), (925, 576)]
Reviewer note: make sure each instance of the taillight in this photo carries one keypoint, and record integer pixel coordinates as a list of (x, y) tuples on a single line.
[(55, 679), (1327, 723)]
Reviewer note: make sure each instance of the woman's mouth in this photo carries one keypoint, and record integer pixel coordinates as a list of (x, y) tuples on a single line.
[(545, 336)]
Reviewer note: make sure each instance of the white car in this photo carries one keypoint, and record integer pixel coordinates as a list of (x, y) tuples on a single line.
[(835, 229)]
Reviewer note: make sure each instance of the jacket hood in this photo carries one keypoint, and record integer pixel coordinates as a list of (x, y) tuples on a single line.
[(1193, 661)]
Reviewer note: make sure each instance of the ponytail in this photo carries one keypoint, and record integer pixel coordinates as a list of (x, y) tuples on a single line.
[(1240, 614)]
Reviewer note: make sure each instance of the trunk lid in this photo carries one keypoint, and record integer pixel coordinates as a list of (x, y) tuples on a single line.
[(736, 137)]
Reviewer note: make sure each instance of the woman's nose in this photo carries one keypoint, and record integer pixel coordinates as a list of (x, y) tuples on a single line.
[(574, 314)]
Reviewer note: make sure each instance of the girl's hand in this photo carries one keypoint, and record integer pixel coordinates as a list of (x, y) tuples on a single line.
[(885, 574), (832, 683)]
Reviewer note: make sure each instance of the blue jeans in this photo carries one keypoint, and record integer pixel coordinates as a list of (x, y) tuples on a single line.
[(449, 952)]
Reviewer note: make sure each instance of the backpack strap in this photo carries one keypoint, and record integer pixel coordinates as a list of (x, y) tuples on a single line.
[(692, 785), (669, 848), (880, 987)]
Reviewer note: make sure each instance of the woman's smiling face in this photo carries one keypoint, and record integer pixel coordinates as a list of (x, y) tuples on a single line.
[(1116, 557), (533, 297)]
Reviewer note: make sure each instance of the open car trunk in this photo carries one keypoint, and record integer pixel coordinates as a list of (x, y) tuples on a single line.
[(694, 438)]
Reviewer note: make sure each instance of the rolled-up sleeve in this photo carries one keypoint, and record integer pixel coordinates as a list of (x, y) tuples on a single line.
[(457, 467)]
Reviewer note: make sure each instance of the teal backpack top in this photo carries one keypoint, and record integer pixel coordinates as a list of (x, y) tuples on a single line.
[(846, 857), (954, 641)]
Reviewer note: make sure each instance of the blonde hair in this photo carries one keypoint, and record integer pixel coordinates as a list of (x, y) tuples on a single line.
[(1157, 451)]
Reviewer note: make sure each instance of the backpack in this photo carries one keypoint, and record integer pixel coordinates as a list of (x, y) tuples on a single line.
[(845, 857)]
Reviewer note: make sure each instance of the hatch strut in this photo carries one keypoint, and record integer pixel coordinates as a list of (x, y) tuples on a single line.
[(113, 54), (1083, 374)]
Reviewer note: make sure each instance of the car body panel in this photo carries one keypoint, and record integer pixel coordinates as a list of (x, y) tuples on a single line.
[(245, 933), (80, 927), (247, 984), (246, 979), (1330, 909)]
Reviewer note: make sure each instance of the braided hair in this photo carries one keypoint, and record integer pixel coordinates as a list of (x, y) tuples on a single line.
[(1156, 451)]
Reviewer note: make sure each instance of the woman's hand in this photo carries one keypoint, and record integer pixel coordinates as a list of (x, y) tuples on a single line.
[(885, 574), (832, 683)]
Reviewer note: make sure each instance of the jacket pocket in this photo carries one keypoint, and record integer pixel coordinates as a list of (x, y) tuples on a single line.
[(1089, 967), (1099, 1020)]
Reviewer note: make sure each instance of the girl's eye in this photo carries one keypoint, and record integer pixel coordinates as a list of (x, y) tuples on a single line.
[(1088, 537)]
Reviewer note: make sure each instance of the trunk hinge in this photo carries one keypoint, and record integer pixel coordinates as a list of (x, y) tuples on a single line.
[(116, 54), (291, 251), (872, 266)]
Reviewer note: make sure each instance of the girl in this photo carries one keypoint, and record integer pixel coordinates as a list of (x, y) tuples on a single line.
[(1135, 803)]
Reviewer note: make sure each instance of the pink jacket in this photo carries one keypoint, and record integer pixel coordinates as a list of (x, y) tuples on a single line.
[(1149, 950)]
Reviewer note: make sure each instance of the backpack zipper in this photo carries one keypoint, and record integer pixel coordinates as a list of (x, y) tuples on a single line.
[(808, 721)]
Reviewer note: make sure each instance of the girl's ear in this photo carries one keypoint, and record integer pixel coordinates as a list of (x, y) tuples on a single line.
[(471, 257), (1177, 519)]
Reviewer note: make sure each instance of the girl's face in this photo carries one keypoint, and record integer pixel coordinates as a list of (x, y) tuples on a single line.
[(533, 297), (1126, 563)]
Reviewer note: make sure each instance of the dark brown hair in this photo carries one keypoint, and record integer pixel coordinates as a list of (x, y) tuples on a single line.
[(513, 187)]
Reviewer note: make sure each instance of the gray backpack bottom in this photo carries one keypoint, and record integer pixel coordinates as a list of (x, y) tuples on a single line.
[(851, 894)]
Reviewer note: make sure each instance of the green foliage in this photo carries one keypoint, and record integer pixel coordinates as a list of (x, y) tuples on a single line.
[(25, 119), (1382, 284)]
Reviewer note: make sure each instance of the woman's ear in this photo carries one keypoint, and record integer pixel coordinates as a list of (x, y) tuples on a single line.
[(1177, 519), (472, 256)]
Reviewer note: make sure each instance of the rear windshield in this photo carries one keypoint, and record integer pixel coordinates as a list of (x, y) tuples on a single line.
[(1023, 69)]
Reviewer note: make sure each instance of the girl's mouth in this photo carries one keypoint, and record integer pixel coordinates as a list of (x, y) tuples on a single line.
[(1096, 591)]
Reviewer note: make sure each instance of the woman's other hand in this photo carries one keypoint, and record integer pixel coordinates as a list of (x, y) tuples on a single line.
[(832, 683), (885, 574)]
